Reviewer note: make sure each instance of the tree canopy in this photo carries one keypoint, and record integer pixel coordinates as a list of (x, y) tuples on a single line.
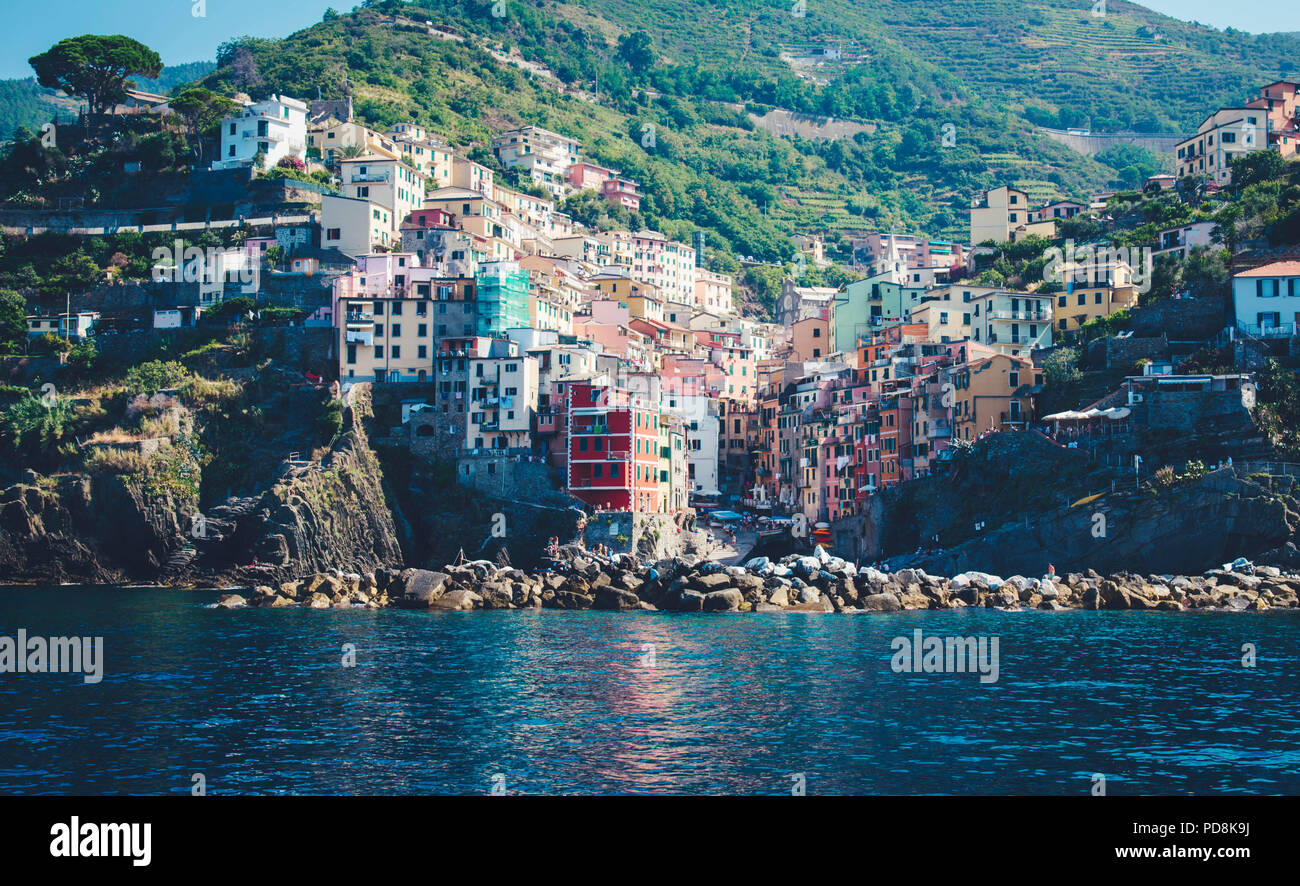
[(95, 67)]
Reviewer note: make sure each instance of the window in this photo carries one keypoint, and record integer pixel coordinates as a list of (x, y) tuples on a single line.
[(397, 352), (397, 329), (379, 352)]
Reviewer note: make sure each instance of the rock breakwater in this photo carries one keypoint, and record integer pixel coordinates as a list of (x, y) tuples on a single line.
[(812, 583)]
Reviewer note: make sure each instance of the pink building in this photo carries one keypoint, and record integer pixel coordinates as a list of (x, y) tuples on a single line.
[(622, 192), (588, 175)]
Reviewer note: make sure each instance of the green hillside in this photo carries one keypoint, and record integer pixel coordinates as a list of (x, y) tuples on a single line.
[(956, 92)]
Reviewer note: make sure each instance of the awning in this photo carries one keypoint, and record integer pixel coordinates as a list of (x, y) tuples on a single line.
[(726, 515)]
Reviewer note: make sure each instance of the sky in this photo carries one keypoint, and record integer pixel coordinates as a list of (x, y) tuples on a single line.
[(179, 34)]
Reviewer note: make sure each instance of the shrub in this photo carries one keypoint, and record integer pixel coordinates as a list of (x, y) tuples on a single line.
[(35, 427), (149, 378)]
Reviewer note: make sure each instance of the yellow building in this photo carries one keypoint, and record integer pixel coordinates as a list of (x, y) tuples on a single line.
[(1087, 297), (993, 393)]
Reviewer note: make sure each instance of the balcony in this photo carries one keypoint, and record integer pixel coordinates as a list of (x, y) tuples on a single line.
[(360, 317), (363, 178), (1275, 330), (594, 484), (1026, 316), (359, 337)]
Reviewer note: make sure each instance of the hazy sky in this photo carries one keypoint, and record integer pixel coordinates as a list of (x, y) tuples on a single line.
[(172, 28)]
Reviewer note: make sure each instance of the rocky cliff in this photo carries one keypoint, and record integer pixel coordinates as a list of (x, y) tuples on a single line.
[(1018, 503), (320, 516), (85, 529), (1188, 528), (326, 515)]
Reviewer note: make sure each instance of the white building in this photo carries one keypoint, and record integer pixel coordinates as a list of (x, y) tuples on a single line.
[(502, 402), (355, 226), (276, 127), (386, 183), (546, 155), (1266, 300), (699, 415), (996, 213), (713, 292)]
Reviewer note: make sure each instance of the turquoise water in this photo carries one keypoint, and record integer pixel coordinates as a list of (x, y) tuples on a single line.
[(258, 701)]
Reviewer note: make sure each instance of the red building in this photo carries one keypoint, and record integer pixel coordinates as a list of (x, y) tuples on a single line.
[(613, 449)]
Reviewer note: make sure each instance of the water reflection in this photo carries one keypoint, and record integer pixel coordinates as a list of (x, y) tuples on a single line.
[(569, 702)]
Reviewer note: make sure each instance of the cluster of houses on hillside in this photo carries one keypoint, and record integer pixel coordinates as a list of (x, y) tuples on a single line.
[(622, 360)]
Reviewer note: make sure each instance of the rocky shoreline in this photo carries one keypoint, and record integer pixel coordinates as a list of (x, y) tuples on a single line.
[(812, 583)]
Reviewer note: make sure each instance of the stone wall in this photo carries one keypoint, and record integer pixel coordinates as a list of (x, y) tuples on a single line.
[(1184, 411), (1181, 319), (1123, 353), (294, 347), (508, 477)]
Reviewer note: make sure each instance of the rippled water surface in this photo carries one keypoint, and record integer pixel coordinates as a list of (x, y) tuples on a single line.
[(258, 701)]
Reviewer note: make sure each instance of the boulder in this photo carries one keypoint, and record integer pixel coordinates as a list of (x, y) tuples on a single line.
[(231, 601), (683, 600), (615, 598), (725, 600), (881, 603), (418, 588), (707, 583), (570, 600), (456, 600)]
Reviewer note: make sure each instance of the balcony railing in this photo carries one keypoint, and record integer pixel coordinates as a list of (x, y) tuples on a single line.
[(369, 177), (1027, 316), (1277, 330)]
